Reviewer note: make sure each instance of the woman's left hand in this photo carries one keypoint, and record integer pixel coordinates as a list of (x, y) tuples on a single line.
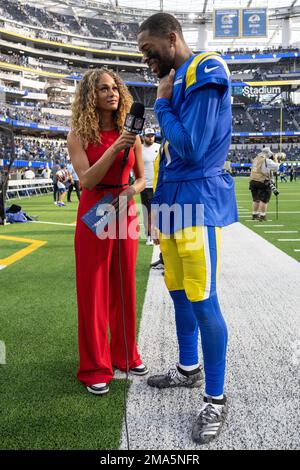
[(165, 87), (121, 202)]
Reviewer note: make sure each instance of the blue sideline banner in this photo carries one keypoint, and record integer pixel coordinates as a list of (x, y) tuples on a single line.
[(254, 22), (226, 23)]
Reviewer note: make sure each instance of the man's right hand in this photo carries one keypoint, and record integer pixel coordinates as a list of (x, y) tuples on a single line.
[(154, 229), (155, 235)]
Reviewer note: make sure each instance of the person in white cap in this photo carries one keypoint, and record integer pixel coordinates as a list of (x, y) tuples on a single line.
[(150, 151), (260, 178)]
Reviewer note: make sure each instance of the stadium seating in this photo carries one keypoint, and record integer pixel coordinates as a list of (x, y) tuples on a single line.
[(33, 114), (35, 148), (97, 27), (241, 119), (268, 119), (246, 153), (245, 117)]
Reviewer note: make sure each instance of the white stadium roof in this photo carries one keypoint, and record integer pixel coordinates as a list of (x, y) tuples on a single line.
[(201, 6), (192, 6), (192, 14)]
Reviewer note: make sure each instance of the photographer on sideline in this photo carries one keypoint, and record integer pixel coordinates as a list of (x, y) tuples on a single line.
[(261, 184)]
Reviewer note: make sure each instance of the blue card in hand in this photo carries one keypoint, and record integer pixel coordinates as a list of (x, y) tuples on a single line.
[(100, 215)]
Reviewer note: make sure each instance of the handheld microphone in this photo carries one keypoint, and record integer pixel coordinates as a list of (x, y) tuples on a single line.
[(134, 123)]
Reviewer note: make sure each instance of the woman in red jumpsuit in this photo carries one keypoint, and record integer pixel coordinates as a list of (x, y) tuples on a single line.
[(96, 146)]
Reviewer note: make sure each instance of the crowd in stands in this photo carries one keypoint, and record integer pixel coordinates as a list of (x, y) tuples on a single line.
[(251, 50), (292, 151), (259, 74), (34, 148), (47, 150), (41, 149), (240, 120), (265, 119), (143, 76), (30, 15), (14, 58), (127, 31), (30, 105), (39, 16), (151, 121), (251, 119), (32, 115), (34, 16), (246, 153), (269, 120)]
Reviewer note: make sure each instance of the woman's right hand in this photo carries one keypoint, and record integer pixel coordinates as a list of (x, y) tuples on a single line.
[(126, 139)]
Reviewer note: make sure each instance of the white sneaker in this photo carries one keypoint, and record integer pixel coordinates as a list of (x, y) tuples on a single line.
[(98, 389), (139, 370), (149, 242)]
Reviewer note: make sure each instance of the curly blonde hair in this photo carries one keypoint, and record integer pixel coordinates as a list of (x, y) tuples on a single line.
[(86, 117)]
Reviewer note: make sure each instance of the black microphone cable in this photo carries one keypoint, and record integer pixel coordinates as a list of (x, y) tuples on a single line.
[(134, 123), (123, 318)]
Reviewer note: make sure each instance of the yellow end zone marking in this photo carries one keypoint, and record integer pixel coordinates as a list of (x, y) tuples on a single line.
[(33, 245)]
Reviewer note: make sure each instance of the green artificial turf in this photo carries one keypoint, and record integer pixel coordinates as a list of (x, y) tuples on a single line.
[(43, 406), (288, 215), (8, 247)]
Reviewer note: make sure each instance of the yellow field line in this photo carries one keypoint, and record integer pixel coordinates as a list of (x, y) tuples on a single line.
[(33, 245)]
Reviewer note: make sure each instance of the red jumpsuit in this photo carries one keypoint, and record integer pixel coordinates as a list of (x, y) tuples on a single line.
[(98, 281)]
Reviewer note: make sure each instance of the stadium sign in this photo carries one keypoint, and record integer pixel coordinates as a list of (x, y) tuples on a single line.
[(226, 23), (254, 22), (252, 92)]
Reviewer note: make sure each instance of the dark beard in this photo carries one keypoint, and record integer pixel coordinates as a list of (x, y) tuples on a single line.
[(163, 65), (165, 69)]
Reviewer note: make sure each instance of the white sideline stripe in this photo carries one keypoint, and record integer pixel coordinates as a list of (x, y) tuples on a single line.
[(261, 325), (280, 200), (296, 250), (281, 192), (288, 239), (281, 231), (274, 212), (52, 223), (264, 226)]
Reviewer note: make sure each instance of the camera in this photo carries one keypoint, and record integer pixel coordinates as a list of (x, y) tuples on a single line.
[(270, 184)]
